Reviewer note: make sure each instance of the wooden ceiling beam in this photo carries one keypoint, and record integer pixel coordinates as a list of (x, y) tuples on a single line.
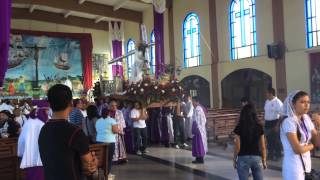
[(119, 4), (88, 7), (67, 14), (32, 8), (19, 13), (81, 1), (140, 1)]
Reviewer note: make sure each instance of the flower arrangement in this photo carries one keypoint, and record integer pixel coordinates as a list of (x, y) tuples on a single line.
[(149, 91)]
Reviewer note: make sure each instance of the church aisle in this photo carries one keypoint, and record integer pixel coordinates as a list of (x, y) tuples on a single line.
[(215, 167), (139, 168)]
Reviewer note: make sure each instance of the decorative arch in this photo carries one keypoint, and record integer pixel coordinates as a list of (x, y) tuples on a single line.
[(251, 83), (197, 86)]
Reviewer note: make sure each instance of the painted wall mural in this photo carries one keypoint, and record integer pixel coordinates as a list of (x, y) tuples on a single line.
[(38, 62)]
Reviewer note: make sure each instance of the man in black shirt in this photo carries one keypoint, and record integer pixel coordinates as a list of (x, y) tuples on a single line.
[(64, 148)]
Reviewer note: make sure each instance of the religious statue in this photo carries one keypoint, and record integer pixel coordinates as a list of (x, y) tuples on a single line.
[(141, 64), (68, 83)]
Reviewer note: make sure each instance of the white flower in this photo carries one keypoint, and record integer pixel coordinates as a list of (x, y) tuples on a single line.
[(172, 81), (141, 89), (131, 89), (138, 85), (163, 91), (134, 92), (146, 84), (173, 89), (180, 87), (156, 87)]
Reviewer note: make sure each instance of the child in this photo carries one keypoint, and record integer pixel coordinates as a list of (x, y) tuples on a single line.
[(107, 128)]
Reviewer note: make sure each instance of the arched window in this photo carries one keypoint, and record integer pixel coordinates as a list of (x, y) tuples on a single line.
[(313, 22), (243, 29), (191, 40), (130, 58), (152, 54)]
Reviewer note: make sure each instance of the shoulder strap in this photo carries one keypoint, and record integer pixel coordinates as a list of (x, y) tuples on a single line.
[(86, 120), (299, 137), (304, 167)]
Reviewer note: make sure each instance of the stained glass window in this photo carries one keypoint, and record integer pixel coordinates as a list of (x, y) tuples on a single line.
[(152, 54), (313, 23), (130, 58), (191, 40), (243, 29)]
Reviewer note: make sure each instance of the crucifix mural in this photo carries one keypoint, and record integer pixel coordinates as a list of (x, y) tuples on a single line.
[(36, 49)]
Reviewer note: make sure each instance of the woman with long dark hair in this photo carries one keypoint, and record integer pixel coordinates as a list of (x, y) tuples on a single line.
[(298, 136), (250, 149)]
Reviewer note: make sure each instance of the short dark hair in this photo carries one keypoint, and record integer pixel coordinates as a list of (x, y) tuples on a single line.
[(92, 112), (59, 97), (196, 99), (76, 102), (105, 112), (8, 101), (245, 100), (271, 91)]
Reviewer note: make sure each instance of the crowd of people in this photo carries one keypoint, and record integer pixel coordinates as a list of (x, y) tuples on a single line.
[(54, 134)]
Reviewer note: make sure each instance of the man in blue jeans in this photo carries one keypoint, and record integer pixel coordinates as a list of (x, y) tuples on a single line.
[(139, 116)]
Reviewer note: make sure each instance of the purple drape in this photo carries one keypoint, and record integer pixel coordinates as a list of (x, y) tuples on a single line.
[(159, 36), (117, 69), (5, 16)]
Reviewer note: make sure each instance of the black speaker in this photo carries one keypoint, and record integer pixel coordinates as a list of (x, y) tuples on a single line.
[(274, 51)]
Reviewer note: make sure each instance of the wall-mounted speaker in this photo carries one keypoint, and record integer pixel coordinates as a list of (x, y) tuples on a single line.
[(274, 51)]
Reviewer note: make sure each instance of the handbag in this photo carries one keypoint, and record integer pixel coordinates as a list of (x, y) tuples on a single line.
[(312, 175)]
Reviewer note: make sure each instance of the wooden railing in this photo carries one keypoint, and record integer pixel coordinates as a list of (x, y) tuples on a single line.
[(9, 164), (222, 122)]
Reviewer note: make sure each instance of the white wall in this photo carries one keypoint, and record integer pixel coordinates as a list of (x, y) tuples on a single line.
[(181, 8), (297, 56)]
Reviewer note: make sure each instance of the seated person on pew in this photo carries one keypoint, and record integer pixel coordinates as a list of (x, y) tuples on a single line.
[(8, 127)]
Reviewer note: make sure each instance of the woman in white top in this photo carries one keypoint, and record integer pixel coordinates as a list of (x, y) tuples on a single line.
[(298, 135)]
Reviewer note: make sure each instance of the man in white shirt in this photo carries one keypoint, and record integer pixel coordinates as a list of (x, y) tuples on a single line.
[(187, 109), (272, 111), (139, 116)]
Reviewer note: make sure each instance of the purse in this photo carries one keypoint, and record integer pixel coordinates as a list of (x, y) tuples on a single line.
[(312, 175)]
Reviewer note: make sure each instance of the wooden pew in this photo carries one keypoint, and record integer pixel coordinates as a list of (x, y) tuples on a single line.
[(101, 151), (9, 166), (222, 122)]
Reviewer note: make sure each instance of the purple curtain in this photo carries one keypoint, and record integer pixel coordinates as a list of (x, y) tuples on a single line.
[(158, 34), (5, 16), (117, 69)]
